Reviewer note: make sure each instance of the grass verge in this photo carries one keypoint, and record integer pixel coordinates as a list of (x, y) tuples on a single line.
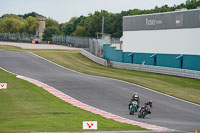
[(13, 48), (25, 107)]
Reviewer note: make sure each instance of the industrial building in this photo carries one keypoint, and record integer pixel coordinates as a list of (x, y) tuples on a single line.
[(170, 33), (169, 39)]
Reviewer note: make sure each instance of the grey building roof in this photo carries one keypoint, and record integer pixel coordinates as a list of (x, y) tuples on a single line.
[(159, 21)]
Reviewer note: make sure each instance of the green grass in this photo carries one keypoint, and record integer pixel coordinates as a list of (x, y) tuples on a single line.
[(25, 107), (13, 48)]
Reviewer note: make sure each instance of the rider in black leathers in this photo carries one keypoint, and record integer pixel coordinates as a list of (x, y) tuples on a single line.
[(148, 103)]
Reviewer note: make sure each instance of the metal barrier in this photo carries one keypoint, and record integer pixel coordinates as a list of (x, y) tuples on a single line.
[(92, 45), (72, 41), (94, 58), (158, 69), (16, 37), (144, 68)]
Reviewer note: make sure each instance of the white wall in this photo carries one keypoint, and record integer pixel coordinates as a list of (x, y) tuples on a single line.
[(116, 45), (172, 41)]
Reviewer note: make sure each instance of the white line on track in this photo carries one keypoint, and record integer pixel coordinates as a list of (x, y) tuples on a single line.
[(118, 80), (89, 108), (106, 78)]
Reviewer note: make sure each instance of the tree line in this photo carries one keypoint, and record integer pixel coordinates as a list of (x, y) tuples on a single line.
[(84, 26)]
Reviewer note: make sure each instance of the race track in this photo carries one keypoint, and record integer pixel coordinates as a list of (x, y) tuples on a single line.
[(106, 94)]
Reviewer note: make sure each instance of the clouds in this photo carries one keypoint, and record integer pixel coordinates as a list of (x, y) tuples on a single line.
[(63, 10)]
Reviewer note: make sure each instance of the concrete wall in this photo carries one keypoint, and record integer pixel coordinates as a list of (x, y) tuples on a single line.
[(126, 57), (191, 62), (143, 58), (94, 58), (111, 53), (168, 60), (158, 69), (116, 45), (146, 68)]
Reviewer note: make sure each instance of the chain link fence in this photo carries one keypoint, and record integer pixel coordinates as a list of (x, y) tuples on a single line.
[(92, 45), (16, 37), (115, 41), (89, 44), (71, 41)]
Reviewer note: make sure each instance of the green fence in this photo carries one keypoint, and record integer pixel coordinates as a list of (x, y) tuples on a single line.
[(191, 62)]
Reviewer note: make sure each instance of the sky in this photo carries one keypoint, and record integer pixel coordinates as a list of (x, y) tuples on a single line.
[(63, 10)]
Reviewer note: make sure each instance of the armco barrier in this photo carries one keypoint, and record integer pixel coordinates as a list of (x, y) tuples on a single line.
[(144, 68), (158, 69), (94, 58)]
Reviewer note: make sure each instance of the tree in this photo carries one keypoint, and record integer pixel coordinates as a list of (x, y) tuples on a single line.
[(32, 24), (80, 31), (12, 25), (68, 28), (11, 16), (32, 14), (51, 23), (94, 24), (49, 32), (52, 28), (191, 4)]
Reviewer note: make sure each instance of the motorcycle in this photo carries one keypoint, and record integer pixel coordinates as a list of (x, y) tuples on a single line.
[(144, 111), (133, 107)]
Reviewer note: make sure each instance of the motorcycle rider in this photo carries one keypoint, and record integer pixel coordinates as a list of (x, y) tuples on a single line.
[(147, 103), (135, 98)]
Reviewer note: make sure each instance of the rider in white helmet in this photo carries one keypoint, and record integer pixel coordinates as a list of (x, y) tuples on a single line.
[(135, 98)]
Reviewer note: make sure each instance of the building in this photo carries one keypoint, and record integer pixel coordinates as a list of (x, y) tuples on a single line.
[(40, 29), (170, 33), (163, 39)]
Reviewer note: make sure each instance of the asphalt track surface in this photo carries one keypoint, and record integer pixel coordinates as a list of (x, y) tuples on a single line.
[(103, 93)]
